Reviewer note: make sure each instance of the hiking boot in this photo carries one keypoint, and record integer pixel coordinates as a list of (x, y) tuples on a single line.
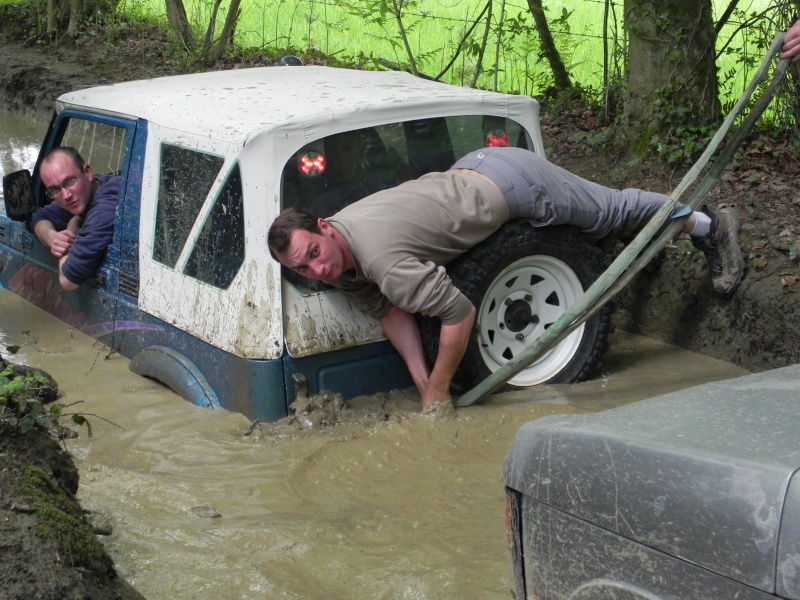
[(721, 247)]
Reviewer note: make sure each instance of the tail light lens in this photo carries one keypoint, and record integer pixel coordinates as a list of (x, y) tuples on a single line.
[(311, 164), (497, 138)]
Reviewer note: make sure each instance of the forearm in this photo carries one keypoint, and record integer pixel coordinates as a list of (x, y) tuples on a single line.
[(401, 329), (66, 284), (453, 341), (44, 232)]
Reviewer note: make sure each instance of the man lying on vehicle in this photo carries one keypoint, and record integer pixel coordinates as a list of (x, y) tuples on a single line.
[(78, 225), (388, 251)]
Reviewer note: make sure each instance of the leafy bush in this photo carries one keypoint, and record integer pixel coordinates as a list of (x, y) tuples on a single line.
[(23, 395)]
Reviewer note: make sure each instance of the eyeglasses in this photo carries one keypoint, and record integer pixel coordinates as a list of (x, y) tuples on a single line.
[(55, 191)]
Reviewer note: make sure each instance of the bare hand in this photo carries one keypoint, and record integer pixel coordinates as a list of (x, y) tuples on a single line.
[(791, 43), (61, 242)]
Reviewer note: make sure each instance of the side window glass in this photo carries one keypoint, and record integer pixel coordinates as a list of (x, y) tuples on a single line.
[(101, 145), (185, 178), (219, 251)]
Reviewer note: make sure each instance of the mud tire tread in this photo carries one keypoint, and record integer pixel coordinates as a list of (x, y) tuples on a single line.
[(474, 271)]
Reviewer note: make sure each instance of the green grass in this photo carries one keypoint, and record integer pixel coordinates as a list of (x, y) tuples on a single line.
[(317, 24)]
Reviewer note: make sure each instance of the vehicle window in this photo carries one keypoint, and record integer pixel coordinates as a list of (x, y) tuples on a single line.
[(185, 179), (100, 144), (219, 251), (326, 175)]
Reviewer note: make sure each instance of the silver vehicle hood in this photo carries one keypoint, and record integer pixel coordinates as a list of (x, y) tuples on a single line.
[(702, 474)]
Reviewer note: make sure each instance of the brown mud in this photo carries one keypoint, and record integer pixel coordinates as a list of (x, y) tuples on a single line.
[(50, 550), (757, 328)]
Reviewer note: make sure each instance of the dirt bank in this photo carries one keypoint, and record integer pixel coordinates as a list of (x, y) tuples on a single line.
[(49, 549), (758, 326)]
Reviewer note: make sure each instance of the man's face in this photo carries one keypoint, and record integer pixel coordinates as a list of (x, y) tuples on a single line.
[(70, 186), (314, 255)]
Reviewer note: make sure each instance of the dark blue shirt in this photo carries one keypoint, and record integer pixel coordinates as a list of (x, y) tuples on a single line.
[(95, 234)]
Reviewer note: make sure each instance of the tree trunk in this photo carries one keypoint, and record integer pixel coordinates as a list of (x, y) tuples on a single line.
[(66, 16), (672, 75), (74, 18), (52, 17), (226, 36), (176, 15), (549, 51)]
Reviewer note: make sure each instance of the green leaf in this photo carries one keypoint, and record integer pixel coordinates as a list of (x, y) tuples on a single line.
[(81, 420)]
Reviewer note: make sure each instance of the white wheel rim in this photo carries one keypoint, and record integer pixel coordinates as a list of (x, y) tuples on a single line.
[(522, 301)]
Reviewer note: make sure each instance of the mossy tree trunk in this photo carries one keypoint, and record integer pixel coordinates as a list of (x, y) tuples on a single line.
[(65, 17), (176, 15), (672, 75), (561, 80), (213, 50)]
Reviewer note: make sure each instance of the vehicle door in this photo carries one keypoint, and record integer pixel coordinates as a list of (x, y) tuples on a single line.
[(105, 143)]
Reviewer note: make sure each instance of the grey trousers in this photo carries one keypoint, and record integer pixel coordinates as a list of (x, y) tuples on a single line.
[(546, 194)]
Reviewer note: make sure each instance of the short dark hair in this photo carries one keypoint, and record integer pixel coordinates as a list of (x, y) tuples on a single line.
[(282, 227), (68, 151)]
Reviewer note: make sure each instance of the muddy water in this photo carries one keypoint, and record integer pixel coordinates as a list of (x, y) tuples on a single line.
[(21, 139), (408, 507)]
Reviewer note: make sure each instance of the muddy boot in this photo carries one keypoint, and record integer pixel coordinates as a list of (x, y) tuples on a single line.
[(721, 247)]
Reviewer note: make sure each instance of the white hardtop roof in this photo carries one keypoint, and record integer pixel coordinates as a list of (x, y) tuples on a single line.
[(232, 105)]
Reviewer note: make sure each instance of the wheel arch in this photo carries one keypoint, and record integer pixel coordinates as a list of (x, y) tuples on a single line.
[(177, 372)]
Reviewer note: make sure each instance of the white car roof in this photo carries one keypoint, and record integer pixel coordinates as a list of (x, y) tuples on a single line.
[(232, 105)]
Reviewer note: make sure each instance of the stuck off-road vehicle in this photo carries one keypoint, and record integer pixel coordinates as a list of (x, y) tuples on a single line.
[(188, 290)]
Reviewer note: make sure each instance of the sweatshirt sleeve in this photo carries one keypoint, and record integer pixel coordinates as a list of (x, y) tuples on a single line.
[(95, 235), (424, 287)]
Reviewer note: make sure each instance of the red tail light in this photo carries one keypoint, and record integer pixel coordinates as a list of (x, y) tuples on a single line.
[(311, 164), (496, 138)]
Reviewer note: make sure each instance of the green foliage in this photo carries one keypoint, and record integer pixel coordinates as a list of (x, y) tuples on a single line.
[(509, 58), (684, 141), (21, 406)]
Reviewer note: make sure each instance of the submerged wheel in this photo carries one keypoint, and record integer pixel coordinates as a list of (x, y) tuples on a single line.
[(521, 280)]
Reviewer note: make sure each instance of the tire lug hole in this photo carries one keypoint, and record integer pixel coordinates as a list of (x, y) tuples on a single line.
[(528, 297), (520, 337)]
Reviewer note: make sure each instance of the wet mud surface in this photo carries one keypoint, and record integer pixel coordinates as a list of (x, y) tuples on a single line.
[(384, 502)]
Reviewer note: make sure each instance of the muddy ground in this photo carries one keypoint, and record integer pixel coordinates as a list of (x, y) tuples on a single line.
[(673, 301)]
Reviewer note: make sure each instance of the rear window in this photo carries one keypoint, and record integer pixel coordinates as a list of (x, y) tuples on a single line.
[(328, 174)]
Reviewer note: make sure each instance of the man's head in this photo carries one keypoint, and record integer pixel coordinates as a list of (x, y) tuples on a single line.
[(67, 179), (308, 246)]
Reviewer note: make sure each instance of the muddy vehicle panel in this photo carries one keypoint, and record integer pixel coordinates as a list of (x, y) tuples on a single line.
[(187, 289), (687, 496)]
